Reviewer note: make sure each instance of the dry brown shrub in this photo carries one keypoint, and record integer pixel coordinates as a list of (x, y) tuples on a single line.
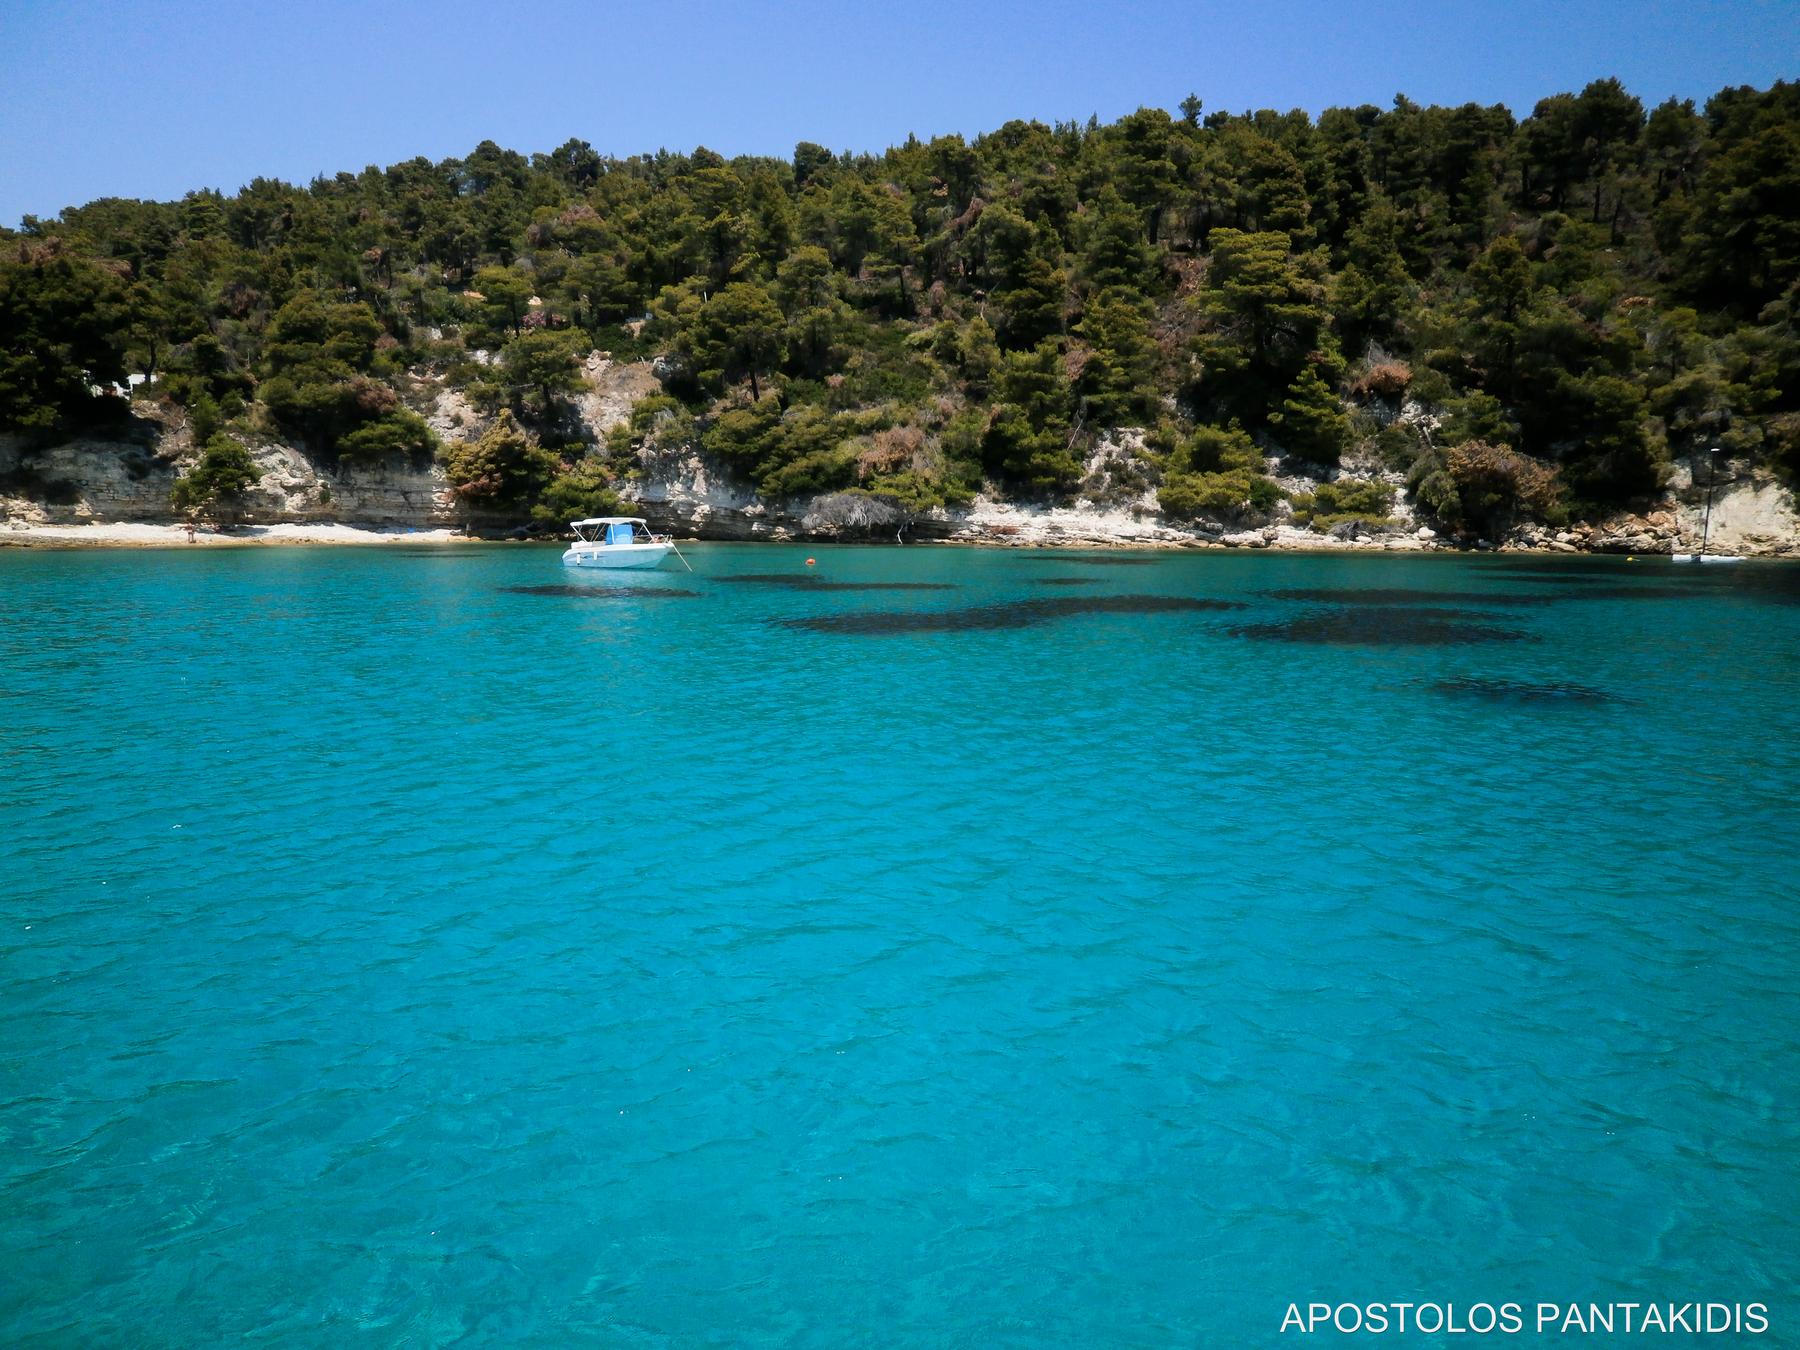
[(1190, 274), (890, 450), (1075, 360), (238, 299), (956, 227), (373, 397), (1384, 379), (1494, 476), (33, 252)]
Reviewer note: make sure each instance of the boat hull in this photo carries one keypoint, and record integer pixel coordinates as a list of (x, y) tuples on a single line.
[(616, 555)]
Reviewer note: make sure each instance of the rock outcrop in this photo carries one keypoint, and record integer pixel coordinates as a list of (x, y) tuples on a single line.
[(1752, 515), (108, 480)]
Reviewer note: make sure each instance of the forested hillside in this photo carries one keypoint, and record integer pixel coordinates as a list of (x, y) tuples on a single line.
[(1526, 318)]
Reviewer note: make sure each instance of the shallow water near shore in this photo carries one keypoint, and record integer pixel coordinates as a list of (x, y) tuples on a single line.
[(407, 949)]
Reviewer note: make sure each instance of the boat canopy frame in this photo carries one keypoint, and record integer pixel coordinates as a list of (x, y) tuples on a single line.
[(603, 527)]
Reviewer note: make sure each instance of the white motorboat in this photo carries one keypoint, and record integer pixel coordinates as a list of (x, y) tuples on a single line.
[(617, 541)]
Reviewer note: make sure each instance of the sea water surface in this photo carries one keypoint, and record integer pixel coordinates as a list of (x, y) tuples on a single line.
[(928, 948)]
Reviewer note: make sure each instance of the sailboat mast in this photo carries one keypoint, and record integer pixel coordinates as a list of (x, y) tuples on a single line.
[(1712, 469)]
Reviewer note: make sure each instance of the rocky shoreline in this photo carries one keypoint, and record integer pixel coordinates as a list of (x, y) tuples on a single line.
[(996, 526), (115, 493)]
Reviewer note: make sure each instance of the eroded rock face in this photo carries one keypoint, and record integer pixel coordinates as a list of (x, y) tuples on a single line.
[(453, 418), (613, 389), (84, 480), (681, 490), (295, 489), (92, 480), (1754, 515)]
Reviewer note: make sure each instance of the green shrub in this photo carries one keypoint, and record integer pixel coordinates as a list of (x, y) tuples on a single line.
[(1209, 449), (744, 436), (813, 472), (1212, 471), (914, 492), (1264, 492), (1398, 444), (397, 435), (504, 472), (1163, 437), (1430, 387), (961, 439), (583, 490), (803, 450), (224, 473), (1184, 496), (204, 421), (1347, 499), (1477, 417)]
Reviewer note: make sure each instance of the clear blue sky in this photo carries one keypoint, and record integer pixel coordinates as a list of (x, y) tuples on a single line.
[(156, 97)]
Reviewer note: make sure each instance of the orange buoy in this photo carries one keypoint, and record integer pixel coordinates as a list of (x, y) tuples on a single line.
[(809, 562)]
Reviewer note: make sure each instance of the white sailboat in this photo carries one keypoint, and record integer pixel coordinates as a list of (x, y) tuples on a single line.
[(1706, 528)]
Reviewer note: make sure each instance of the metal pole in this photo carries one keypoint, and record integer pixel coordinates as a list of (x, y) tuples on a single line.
[(1712, 469)]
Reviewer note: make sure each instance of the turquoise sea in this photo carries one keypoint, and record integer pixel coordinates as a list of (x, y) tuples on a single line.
[(1030, 951)]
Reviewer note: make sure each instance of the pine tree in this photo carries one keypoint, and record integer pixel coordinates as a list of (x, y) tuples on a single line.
[(1312, 422), (1373, 290), (1119, 378), (1265, 317), (1027, 439)]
